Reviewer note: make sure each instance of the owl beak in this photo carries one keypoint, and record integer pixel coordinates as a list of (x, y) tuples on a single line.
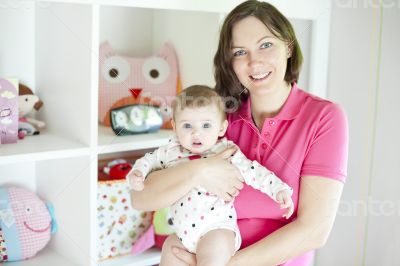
[(135, 92)]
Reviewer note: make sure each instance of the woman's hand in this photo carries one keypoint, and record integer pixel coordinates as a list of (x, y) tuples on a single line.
[(218, 176), (190, 258), (185, 256)]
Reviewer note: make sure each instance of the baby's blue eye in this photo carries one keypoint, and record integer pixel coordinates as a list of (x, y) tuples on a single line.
[(187, 125), (266, 45), (206, 125), (238, 53)]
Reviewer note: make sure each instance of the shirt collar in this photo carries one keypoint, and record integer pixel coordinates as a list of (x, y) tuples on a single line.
[(290, 110)]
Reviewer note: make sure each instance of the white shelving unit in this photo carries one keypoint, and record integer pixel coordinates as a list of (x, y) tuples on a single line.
[(151, 257), (57, 56)]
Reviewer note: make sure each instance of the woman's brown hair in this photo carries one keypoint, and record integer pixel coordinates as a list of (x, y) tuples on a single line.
[(227, 84)]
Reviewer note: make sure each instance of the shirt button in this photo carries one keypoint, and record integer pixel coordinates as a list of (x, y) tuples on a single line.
[(264, 146), (272, 122)]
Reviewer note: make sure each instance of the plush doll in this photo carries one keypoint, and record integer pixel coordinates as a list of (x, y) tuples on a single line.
[(132, 80), (26, 224), (27, 104)]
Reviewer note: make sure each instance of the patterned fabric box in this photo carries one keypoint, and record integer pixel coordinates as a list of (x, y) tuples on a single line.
[(119, 226)]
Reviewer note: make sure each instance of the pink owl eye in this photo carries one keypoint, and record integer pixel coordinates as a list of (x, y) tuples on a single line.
[(154, 73), (116, 69), (156, 70), (113, 73)]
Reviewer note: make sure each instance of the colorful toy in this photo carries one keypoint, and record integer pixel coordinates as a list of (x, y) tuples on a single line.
[(117, 169), (26, 224), (28, 103), (8, 110), (163, 226), (130, 80)]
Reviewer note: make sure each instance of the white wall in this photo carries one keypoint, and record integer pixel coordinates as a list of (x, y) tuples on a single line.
[(194, 46), (303, 30), (135, 42), (17, 41), (363, 72)]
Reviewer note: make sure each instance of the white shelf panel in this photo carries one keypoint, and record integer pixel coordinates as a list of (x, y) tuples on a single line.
[(41, 147), (110, 143), (186, 5), (293, 9), (44, 257), (147, 258)]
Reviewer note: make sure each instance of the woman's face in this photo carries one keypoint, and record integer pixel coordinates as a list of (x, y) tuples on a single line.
[(259, 58)]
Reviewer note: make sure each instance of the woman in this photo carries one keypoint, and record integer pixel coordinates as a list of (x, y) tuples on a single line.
[(301, 137)]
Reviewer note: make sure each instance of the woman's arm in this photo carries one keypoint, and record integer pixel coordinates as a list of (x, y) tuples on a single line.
[(318, 204), (162, 188)]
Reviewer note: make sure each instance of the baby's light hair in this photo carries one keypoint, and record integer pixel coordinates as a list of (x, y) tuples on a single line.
[(198, 96)]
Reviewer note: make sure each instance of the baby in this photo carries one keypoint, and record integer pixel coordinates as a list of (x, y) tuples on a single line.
[(202, 220)]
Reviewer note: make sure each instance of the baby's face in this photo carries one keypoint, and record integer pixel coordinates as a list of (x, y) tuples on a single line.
[(198, 129)]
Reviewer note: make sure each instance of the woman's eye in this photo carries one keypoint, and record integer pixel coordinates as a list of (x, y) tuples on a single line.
[(206, 125), (239, 53), (186, 125), (266, 45)]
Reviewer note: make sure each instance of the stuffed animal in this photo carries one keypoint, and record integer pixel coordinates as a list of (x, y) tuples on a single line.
[(130, 80), (117, 169), (26, 224), (163, 226), (27, 104)]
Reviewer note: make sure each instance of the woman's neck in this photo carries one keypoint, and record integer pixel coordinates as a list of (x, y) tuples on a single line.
[(268, 105)]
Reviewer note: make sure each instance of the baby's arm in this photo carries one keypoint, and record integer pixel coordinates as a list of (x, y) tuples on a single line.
[(151, 161), (260, 178)]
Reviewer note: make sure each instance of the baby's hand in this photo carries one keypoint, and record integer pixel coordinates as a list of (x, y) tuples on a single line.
[(136, 179), (285, 202)]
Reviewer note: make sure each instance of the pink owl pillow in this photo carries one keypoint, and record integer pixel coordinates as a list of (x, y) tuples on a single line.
[(128, 80)]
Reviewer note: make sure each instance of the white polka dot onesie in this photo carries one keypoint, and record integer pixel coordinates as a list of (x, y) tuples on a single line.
[(199, 211)]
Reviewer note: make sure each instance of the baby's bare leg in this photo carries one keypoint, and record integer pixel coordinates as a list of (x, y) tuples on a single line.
[(216, 248), (167, 257)]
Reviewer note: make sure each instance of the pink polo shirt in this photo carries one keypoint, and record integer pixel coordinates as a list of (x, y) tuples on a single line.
[(309, 136)]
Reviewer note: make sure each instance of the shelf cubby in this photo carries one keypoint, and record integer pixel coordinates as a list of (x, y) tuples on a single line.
[(53, 47)]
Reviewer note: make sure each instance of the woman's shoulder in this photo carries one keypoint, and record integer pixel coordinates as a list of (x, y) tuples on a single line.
[(315, 105), (323, 115)]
